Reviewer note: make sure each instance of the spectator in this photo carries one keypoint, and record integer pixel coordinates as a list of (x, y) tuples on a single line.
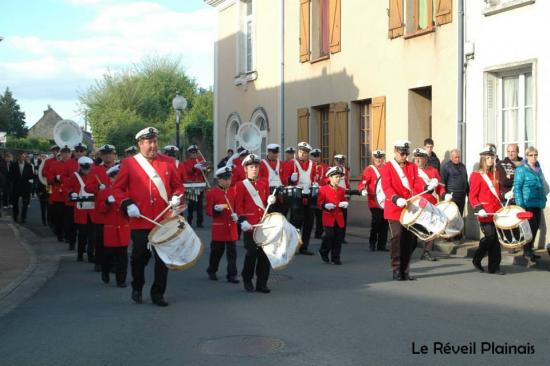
[(20, 177), (506, 169), (530, 190), (455, 178), (3, 180), (433, 160), (8, 158)]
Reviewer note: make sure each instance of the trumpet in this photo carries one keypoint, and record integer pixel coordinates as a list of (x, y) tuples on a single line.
[(208, 167)]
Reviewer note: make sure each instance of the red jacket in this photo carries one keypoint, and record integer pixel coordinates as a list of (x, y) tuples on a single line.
[(193, 174), (223, 227), (116, 231), (345, 178), (393, 188), (432, 172), (133, 183), (368, 182), (480, 195), (320, 173), (180, 167), (238, 173), (98, 176), (48, 163), (245, 206), (57, 168), (70, 167), (72, 185), (329, 194), (264, 172)]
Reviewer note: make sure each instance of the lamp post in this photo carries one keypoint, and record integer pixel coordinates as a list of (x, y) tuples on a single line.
[(179, 103)]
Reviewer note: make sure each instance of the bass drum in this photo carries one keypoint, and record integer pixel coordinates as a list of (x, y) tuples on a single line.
[(379, 193)]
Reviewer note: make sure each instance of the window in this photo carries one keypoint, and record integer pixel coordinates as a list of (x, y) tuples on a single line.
[(365, 134), (319, 29), (249, 27), (231, 132), (259, 118), (324, 135), (246, 42), (420, 16)]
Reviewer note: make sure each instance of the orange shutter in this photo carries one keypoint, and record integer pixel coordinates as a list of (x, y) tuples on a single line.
[(443, 11), (304, 30), (378, 127), (338, 129), (395, 19), (303, 124), (334, 25)]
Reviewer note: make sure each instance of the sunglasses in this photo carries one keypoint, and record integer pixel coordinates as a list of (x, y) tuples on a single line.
[(533, 155), (404, 153)]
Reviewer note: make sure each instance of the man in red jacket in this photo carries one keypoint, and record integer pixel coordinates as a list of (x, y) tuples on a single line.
[(320, 179), (173, 152), (236, 165), (56, 174), (194, 171), (272, 169), (400, 181), (48, 163), (220, 204), (146, 184)]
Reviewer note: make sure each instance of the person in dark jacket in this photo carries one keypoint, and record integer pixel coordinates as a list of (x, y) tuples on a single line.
[(433, 160), (3, 180), (506, 169), (8, 159), (455, 178), (20, 177), (530, 190)]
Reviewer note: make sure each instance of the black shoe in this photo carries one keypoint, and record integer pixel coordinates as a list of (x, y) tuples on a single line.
[(97, 267), (408, 277), (248, 285), (60, 238), (136, 296), (535, 256), (498, 272), (263, 289), (338, 262), (383, 249), (478, 265), (397, 276), (159, 300), (372, 247), (324, 257), (91, 259), (23, 221), (121, 284), (71, 246), (232, 279), (305, 252), (212, 276), (105, 277), (79, 259), (427, 256)]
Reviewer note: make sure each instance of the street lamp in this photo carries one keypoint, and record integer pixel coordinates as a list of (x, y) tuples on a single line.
[(179, 103)]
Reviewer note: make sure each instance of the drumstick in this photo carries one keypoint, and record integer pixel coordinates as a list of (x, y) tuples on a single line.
[(166, 209), (267, 208), (228, 204), (418, 195), (151, 221)]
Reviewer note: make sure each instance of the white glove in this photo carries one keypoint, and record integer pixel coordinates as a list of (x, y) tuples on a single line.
[(58, 177), (245, 226), (133, 210), (343, 204), (448, 197), (271, 199), (315, 184), (482, 213), (31, 180), (294, 177), (364, 193), (234, 217), (401, 202), (74, 196), (219, 208), (330, 206), (433, 184), (111, 199), (101, 186), (509, 195), (198, 166), (175, 201)]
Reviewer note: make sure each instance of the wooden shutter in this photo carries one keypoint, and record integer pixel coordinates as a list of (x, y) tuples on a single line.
[(395, 13), (338, 129), (334, 25), (303, 124), (304, 30), (443, 11), (378, 127)]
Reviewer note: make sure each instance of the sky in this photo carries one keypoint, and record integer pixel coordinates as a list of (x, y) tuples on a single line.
[(54, 50)]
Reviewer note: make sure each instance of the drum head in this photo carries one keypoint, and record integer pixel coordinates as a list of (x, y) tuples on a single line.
[(270, 229), (380, 195), (506, 217), (411, 212), (171, 228), (449, 208)]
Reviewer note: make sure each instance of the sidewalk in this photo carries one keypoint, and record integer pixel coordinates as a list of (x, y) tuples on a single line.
[(15, 258)]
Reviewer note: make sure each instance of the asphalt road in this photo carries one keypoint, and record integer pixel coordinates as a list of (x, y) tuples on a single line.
[(317, 314)]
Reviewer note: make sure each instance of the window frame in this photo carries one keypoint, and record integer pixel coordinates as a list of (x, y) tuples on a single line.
[(365, 133), (323, 112)]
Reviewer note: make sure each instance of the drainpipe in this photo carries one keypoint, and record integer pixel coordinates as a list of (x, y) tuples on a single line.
[(461, 126), (282, 86)]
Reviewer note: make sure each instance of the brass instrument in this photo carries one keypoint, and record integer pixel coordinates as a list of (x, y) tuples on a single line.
[(207, 168)]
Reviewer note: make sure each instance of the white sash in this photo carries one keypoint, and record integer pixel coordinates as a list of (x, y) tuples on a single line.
[(305, 176), (491, 186), (83, 193), (422, 174), (152, 173), (376, 171), (402, 176), (342, 181), (254, 194), (274, 178)]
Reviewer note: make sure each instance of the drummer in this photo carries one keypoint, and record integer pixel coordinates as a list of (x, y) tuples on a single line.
[(333, 201), (400, 181), (194, 171), (141, 192), (47, 165), (484, 198), (427, 174), (379, 225), (340, 161), (220, 202), (272, 169), (321, 170), (173, 152), (236, 165), (251, 198), (290, 154)]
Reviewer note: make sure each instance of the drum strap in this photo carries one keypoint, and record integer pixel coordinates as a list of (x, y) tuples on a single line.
[(274, 179), (402, 176), (490, 185), (305, 175), (422, 174), (376, 171), (153, 176), (342, 181), (254, 194), (82, 192)]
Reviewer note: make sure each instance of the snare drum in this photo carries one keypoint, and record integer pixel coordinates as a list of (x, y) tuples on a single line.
[(314, 193), (423, 219), (455, 222), (194, 190), (512, 231), (292, 196), (379, 193), (177, 245)]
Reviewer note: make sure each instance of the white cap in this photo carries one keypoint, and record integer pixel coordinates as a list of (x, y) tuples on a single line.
[(192, 148), (304, 146), (402, 144), (378, 153), (85, 160), (147, 133), (65, 148), (290, 150), (113, 170), (225, 171), (340, 156), (251, 159), (107, 148), (171, 148), (131, 148), (334, 170), (243, 152), (420, 152), (315, 151), (273, 147), (80, 145), (488, 150)]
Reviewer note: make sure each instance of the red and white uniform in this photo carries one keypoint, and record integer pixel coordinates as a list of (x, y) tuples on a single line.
[(116, 230), (71, 166), (237, 173), (320, 173), (57, 168), (273, 171), (132, 182), (223, 227), (306, 172), (244, 204), (484, 193), (335, 195), (344, 180), (427, 173), (393, 186), (73, 185), (98, 176), (48, 163), (193, 174), (368, 182)]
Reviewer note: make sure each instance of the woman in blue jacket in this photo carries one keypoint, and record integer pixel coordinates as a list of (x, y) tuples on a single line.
[(530, 189)]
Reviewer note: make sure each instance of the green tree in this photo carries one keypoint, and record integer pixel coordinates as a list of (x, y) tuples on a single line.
[(12, 119), (32, 144)]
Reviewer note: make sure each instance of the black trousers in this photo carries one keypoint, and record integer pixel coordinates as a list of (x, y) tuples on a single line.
[(44, 211), (378, 230), (139, 258), (460, 199), (402, 245), (302, 218), (69, 228), (57, 211), (332, 241), (25, 198), (96, 238), (255, 261), (534, 224), (116, 257), (6, 195), (489, 245), (193, 206), (318, 223), (50, 215), (84, 233), (217, 249)]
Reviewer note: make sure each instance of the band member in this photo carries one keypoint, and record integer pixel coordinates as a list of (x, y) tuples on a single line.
[(321, 170), (301, 172), (340, 161), (194, 172), (116, 233), (236, 164), (55, 176), (400, 181), (272, 169), (130, 151), (379, 225), (333, 201), (72, 166), (251, 197), (289, 154), (48, 163), (220, 203), (427, 173), (484, 198), (145, 185), (173, 151)]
